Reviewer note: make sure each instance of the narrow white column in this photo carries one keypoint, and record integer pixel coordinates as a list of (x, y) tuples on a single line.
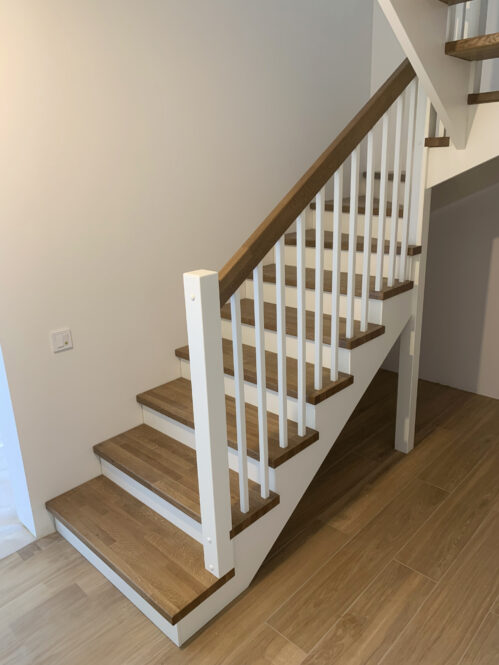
[(335, 291), (410, 340), (319, 286), (261, 381), (237, 352), (352, 241), (380, 249), (281, 344), (204, 330), (366, 259), (300, 322)]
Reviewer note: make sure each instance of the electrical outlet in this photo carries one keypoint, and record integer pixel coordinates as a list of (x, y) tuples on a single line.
[(61, 340)]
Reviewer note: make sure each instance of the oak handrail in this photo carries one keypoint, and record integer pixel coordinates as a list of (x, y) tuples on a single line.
[(249, 255)]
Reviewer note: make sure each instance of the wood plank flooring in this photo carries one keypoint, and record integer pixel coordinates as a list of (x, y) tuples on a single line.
[(168, 468), (55, 609)]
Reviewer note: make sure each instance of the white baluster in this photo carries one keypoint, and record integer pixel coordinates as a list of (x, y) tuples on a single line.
[(204, 331), (380, 249), (352, 240), (335, 290), (366, 265), (281, 344), (395, 193), (300, 288), (408, 181), (237, 349), (319, 285), (261, 381)]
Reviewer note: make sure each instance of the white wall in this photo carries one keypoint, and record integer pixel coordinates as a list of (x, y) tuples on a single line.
[(386, 52), (461, 311), (139, 140)]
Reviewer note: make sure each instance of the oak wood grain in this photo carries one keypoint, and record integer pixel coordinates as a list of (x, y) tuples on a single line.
[(237, 269), (361, 206), (483, 47), (159, 561), (484, 649), (174, 399), (290, 239), (313, 395), (269, 275), (313, 610), (437, 142), (483, 97), (441, 632), (453, 525), (270, 323), (169, 469), (370, 626)]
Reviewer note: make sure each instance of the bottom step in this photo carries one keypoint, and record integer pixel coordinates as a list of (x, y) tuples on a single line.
[(157, 560)]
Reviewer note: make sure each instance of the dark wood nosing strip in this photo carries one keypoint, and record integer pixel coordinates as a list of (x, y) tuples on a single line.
[(483, 97), (437, 142), (483, 47)]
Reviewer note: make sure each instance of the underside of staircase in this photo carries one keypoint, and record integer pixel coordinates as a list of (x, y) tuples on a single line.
[(298, 324)]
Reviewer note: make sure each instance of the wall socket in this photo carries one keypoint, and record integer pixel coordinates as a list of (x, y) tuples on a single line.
[(61, 340)]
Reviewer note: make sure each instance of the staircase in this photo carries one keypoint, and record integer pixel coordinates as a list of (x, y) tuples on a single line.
[(283, 342)]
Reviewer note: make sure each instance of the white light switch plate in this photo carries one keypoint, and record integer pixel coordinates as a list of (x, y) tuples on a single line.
[(61, 340)]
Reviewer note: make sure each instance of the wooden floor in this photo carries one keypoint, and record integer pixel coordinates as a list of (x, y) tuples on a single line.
[(388, 559)]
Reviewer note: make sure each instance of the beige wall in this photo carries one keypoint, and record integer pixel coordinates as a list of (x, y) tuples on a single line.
[(139, 140), (461, 307), (461, 311)]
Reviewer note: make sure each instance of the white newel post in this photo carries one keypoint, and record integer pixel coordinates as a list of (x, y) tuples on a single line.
[(410, 339), (202, 306)]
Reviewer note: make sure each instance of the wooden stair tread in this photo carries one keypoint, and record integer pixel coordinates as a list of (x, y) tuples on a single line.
[(290, 239), (390, 174), (169, 469), (362, 206), (454, 2), (482, 47), (270, 323), (483, 97), (269, 275), (159, 561), (249, 363), (174, 400), (437, 142)]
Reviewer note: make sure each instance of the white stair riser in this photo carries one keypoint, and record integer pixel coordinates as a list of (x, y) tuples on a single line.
[(375, 306), (251, 396), (153, 501), (185, 435), (248, 335), (389, 189), (290, 258)]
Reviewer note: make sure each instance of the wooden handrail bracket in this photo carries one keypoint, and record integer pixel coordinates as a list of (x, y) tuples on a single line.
[(285, 213)]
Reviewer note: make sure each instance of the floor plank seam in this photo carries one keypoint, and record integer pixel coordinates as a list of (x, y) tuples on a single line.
[(295, 646), (418, 572), (472, 639), (298, 588)]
